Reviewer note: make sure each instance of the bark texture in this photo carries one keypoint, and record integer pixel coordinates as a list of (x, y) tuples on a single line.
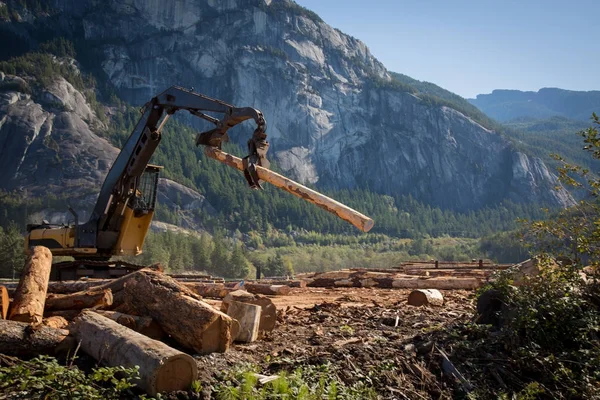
[(22, 339), (93, 298), (144, 325), (30, 295), (191, 322), (162, 368)]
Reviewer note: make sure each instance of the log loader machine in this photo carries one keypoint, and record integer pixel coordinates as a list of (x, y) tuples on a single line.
[(125, 206)]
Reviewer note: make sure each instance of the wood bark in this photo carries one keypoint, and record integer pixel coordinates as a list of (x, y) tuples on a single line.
[(4, 302), (22, 339), (144, 325), (211, 290), (344, 212), (268, 315), (425, 297), (389, 281), (248, 316), (161, 368), (92, 298), (273, 290), (30, 295), (191, 322), (55, 322), (69, 315)]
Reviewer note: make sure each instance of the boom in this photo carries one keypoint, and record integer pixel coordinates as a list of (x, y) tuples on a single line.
[(125, 205)]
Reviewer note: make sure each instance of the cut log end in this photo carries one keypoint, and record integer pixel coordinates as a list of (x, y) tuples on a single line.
[(425, 297), (176, 374)]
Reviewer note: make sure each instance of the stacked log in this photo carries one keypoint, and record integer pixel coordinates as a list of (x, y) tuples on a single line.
[(21, 339), (391, 280), (268, 315), (161, 368), (30, 296), (267, 289), (155, 304), (4, 302)]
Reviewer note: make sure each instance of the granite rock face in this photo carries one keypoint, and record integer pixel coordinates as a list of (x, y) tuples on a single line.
[(334, 117)]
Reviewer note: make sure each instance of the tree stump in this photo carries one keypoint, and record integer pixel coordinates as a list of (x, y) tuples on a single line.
[(162, 368), (425, 297), (30, 295)]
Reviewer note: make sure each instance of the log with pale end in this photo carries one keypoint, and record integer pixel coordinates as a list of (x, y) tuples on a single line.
[(248, 316), (30, 295), (344, 212), (193, 323), (268, 315), (161, 368), (425, 297)]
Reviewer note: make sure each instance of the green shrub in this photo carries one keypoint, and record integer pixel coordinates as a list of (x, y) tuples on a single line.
[(43, 377)]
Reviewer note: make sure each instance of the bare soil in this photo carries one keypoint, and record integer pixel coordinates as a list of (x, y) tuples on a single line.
[(367, 334)]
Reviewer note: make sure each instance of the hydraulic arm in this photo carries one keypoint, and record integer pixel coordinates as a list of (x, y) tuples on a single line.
[(125, 206)]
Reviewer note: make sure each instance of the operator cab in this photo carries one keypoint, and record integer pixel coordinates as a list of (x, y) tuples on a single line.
[(144, 199)]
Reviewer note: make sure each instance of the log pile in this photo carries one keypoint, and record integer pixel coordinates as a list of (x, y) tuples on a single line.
[(393, 279), (120, 322)]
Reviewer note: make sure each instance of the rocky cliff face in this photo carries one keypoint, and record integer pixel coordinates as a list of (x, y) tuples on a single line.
[(335, 119)]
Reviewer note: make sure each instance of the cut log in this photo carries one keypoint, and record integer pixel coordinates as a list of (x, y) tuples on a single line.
[(268, 315), (55, 322), (117, 286), (211, 290), (344, 212), (4, 302), (293, 284), (92, 298), (425, 297), (161, 368), (69, 315), (30, 295), (191, 322), (21, 339), (273, 290), (248, 316), (144, 325)]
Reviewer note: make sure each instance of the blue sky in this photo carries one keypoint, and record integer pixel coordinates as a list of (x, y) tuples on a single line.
[(471, 47)]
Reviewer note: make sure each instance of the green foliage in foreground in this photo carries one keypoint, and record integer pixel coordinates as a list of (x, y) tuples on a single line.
[(550, 323), (304, 383), (43, 377)]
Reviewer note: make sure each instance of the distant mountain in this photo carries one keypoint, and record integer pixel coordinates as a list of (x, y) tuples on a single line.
[(337, 119), (507, 105)]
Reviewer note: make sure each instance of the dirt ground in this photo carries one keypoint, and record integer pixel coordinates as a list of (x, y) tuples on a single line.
[(369, 335)]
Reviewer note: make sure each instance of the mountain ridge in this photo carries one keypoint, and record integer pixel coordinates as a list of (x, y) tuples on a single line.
[(335, 114), (506, 104)]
